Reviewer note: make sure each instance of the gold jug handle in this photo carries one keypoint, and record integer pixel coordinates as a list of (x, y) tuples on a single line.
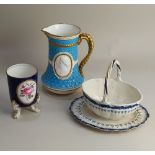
[(90, 42)]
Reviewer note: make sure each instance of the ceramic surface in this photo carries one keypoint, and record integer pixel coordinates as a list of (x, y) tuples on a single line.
[(111, 98), (61, 92), (62, 72), (62, 31), (23, 88), (84, 115), (26, 91), (22, 82)]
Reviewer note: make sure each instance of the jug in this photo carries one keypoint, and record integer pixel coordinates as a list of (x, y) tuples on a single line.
[(64, 74)]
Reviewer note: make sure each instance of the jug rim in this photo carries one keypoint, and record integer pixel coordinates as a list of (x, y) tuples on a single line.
[(74, 31)]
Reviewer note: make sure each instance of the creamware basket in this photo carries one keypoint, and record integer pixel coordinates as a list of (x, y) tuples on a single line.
[(111, 98)]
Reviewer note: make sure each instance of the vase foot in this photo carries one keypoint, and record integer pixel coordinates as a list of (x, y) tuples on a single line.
[(62, 92)]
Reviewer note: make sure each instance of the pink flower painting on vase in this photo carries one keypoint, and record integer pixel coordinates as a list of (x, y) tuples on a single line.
[(27, 91)]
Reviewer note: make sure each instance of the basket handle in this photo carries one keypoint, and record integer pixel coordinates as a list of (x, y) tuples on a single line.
[(108, 75)]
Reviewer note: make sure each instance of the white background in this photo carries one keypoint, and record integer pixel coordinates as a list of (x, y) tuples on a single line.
[(125, 32)]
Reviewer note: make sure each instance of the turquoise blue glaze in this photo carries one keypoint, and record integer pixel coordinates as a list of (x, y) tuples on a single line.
[(49, 78)]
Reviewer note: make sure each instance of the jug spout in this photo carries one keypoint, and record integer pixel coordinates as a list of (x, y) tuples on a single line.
[(46, 31), (62, 31)]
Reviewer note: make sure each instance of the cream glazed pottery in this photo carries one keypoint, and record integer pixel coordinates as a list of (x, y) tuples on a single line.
[(111, 98), (84, 115), (64, 74)]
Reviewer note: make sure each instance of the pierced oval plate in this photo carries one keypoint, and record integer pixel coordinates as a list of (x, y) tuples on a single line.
[(81, 112)]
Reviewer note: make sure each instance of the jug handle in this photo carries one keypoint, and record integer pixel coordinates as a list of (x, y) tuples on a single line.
[(90, 43)]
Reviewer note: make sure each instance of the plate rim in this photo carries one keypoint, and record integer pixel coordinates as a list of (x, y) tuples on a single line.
[(107, 129)]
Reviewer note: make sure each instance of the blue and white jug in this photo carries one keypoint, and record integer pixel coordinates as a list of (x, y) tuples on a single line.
[(63, 74)]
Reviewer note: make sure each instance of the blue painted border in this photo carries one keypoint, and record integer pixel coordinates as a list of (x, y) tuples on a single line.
[(106, 129)]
